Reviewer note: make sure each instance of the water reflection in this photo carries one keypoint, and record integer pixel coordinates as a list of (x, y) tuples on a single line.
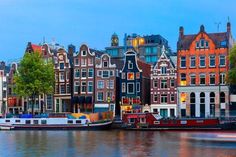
[(114, 144)]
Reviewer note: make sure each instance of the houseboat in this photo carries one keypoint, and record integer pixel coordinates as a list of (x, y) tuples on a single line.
[(54, 123), (153, 121)]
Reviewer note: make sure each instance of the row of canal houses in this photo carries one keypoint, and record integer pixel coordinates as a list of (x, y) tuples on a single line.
[(191, 83)]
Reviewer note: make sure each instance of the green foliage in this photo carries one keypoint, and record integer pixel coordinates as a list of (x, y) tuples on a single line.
[(34, 76), (232, 71)]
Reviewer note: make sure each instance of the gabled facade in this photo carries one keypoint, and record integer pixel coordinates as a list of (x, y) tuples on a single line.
[(83, 79), (202, 66), (105, 84), (62, 91), (163, 86), (14, 103), (3, 91), (135, 83)]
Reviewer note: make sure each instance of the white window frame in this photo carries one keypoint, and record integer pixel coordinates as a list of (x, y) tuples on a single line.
[(123, 87), (130, 65), (138, 86), (224, 60), (83, 53), (210, 79), (88, 87), (210, 61), (191, 58), (128, 88), (201, 77), (98, 84), (200, 62), (102, 96)]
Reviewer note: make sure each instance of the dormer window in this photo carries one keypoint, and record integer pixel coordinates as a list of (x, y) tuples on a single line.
[(130, 65), (163, 70), (105, 64), (84, 53), (202, 41)]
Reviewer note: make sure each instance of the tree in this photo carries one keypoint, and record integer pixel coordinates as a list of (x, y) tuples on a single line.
[(34, 77), (232, 71)]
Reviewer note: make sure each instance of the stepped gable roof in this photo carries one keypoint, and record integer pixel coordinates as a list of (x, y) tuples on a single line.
[(186, 40), (145, 67)]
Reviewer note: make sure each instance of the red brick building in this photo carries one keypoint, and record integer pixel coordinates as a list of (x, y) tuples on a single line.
[(163, 86), (202, 67)]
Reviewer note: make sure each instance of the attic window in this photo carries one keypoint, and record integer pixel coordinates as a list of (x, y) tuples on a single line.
[(130, 65), (202, 43), (223, 43), (83, 53), (197, 44)]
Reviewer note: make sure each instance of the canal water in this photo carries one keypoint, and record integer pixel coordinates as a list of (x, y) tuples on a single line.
[(113, 144)]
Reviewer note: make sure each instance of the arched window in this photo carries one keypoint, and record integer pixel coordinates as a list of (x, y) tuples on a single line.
[(192, 105), (212, 104), (202, 104), (222, 97)]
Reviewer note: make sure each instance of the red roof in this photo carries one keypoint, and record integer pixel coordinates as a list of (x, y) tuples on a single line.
[(36, 48), (146, 68)]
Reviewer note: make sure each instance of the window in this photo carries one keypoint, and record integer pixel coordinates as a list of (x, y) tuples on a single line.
[(69, 121), (49, 101), (137, 75), (222, 78), (138, 87), (163, 98), (100, 84), (123, 88), (100, 96), (202, 79), (212, 61), (77, 73), (109, 96), (212, 79), (61, 65), (78, 121), (192, 61), (202, 41), (163, 70), (130, 88), (84, 53), (172, 97), (43, 121), (105, 74), (183, 79), (155, 97), (83, 62), (222, 60), (76, 61), (202, 61), (67, 88), (207, 44), (83, 85), (110, 84), (130, 76), (84, 72), (111, 73), (183, 62), (192, 79), (90, 86), (222, 97), (99, 73), (123, 75), (90, 61), (130, 65), (172, 83), (90, 73), (105, 64), (77, 86), (62, 89), (163, 83), (197, 44), (27, 122), (155, 84), (61, 76)]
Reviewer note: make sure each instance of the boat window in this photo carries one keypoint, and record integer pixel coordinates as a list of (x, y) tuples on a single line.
[(156, 122), (8, 121), (27, 122), (174, 121), (70, 121), (165, 121), (78, 121), (199, 121), (142, 120), (17, 121), (183, 122), (43, 121), (131, 120), (36, 121)]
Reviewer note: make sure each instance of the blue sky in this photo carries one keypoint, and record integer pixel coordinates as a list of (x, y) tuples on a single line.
[(94, 21)]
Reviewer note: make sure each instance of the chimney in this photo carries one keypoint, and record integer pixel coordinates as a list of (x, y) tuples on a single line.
[(181, 32), (202, 28), (228, 27)]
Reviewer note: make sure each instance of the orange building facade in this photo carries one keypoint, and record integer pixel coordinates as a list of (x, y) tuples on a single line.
[(202, 65)]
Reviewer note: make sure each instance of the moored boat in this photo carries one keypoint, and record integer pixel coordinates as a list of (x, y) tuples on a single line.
[(54, 123), (153, 121)]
